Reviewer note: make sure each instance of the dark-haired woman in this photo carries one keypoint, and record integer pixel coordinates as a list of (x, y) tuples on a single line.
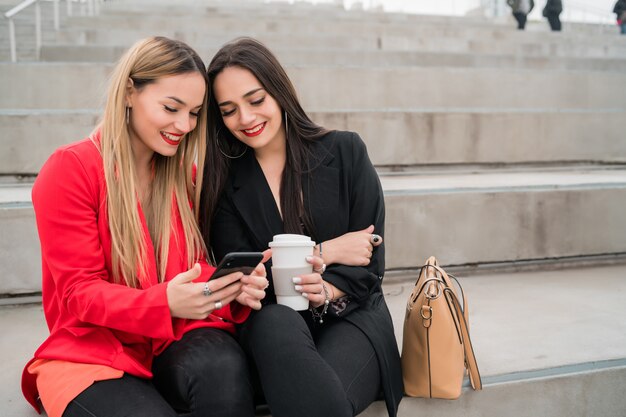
[(278, 172)]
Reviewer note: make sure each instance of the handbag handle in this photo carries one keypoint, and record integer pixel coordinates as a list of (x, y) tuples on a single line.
[(448, 282), (470, 358), (462, 315)]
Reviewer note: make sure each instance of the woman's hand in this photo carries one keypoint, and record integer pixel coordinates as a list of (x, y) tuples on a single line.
[(353, 249), (254, 285), (312, 285), (196, 300)]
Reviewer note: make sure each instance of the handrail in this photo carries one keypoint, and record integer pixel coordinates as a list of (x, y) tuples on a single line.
[(11, 13), (19, 8), (93, 9)]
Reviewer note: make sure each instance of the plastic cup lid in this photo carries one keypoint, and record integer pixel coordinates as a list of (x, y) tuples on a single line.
[(291, 240)]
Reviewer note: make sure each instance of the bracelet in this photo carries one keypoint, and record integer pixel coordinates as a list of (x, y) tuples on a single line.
[(320, 249), (320, 315)]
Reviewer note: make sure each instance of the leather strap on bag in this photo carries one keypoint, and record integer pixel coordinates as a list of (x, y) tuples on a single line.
[(470, 358), (462, 314)]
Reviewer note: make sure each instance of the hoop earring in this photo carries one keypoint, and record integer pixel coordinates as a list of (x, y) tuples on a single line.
[(217, 142), (286, 124), (127, 115)]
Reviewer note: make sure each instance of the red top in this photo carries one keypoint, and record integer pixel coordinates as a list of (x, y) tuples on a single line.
[(91, 319)]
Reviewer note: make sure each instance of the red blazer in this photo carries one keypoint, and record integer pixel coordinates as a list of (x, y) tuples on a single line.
[(91, 319)]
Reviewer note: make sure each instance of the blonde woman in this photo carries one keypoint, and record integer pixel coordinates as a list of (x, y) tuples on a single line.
[(126, 289)]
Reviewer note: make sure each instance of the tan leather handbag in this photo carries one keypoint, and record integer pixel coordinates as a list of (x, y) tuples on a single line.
[(436, 348)]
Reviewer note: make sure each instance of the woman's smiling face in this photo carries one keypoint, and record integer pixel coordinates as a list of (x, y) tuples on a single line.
[(163, 112), (248, 111)]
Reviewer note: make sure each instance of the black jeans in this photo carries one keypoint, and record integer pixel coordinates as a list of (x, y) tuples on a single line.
[(307, 369), (203, 374)]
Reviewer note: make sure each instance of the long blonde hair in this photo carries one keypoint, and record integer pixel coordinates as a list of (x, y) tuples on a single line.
[(144, 63)]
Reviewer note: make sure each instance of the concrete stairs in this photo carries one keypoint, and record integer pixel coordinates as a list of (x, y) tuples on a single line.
[(500, 152), (548, 344)]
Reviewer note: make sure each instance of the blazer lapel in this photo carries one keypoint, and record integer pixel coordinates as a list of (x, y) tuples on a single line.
[(321, 193), (320, 187), (253, 198)]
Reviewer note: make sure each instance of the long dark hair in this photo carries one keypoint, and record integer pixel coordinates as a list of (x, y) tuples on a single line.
[(252, 55)]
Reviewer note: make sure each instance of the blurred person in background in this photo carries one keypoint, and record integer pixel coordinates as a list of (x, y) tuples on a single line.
[(521, 8), (620, 13), (551, 11)]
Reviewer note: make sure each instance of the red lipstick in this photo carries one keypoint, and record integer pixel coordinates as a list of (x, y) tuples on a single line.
[(256, 133)]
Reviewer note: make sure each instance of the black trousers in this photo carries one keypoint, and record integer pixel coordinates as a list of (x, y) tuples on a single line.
[(203, 374), (307, 369), (521, 20), (554, 21)]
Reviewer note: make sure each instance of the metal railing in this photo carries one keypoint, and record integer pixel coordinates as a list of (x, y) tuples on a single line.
[(92, 10)]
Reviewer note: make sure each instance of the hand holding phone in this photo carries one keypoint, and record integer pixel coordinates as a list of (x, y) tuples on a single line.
[(238, 262)]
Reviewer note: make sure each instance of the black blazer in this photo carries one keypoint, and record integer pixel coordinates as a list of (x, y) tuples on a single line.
[(341, 193)]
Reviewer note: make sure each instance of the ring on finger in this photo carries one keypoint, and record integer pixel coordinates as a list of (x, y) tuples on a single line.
[(321, 269), (206, 291), (267, 284), (218, 305), (375, 238)]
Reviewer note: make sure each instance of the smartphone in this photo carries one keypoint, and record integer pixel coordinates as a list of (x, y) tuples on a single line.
[(238, 262)]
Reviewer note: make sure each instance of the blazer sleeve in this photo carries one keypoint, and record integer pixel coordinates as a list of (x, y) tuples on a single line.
[(67, 205), (367, 206)]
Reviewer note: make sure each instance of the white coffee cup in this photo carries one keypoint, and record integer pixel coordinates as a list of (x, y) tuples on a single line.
[(289, 253)]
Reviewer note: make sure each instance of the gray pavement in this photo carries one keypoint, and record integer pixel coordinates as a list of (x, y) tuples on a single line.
[(529, 330)]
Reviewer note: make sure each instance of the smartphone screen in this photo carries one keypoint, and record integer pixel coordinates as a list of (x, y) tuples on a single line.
[(238, 262)]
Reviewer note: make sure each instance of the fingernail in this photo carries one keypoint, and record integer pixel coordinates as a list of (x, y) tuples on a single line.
[(305, 295), (298, 287), (296, 280), (309, 258)]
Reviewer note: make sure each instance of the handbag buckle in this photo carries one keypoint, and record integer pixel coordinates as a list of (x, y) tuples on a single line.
[(433, 291)]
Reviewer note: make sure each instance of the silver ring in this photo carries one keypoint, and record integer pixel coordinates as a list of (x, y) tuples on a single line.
[(375, 238), (321, 270), (218, 305), (206, 291)]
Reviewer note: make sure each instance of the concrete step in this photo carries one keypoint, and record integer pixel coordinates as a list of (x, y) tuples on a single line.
[(394, 138), (489, 136), (54, 52), (322, 10), (81, 85), (548, 343), (367, 39), (19, 243), (294, 19), (474, 217), (210, 22), (31, 136), (503, 215), (328, 12)]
